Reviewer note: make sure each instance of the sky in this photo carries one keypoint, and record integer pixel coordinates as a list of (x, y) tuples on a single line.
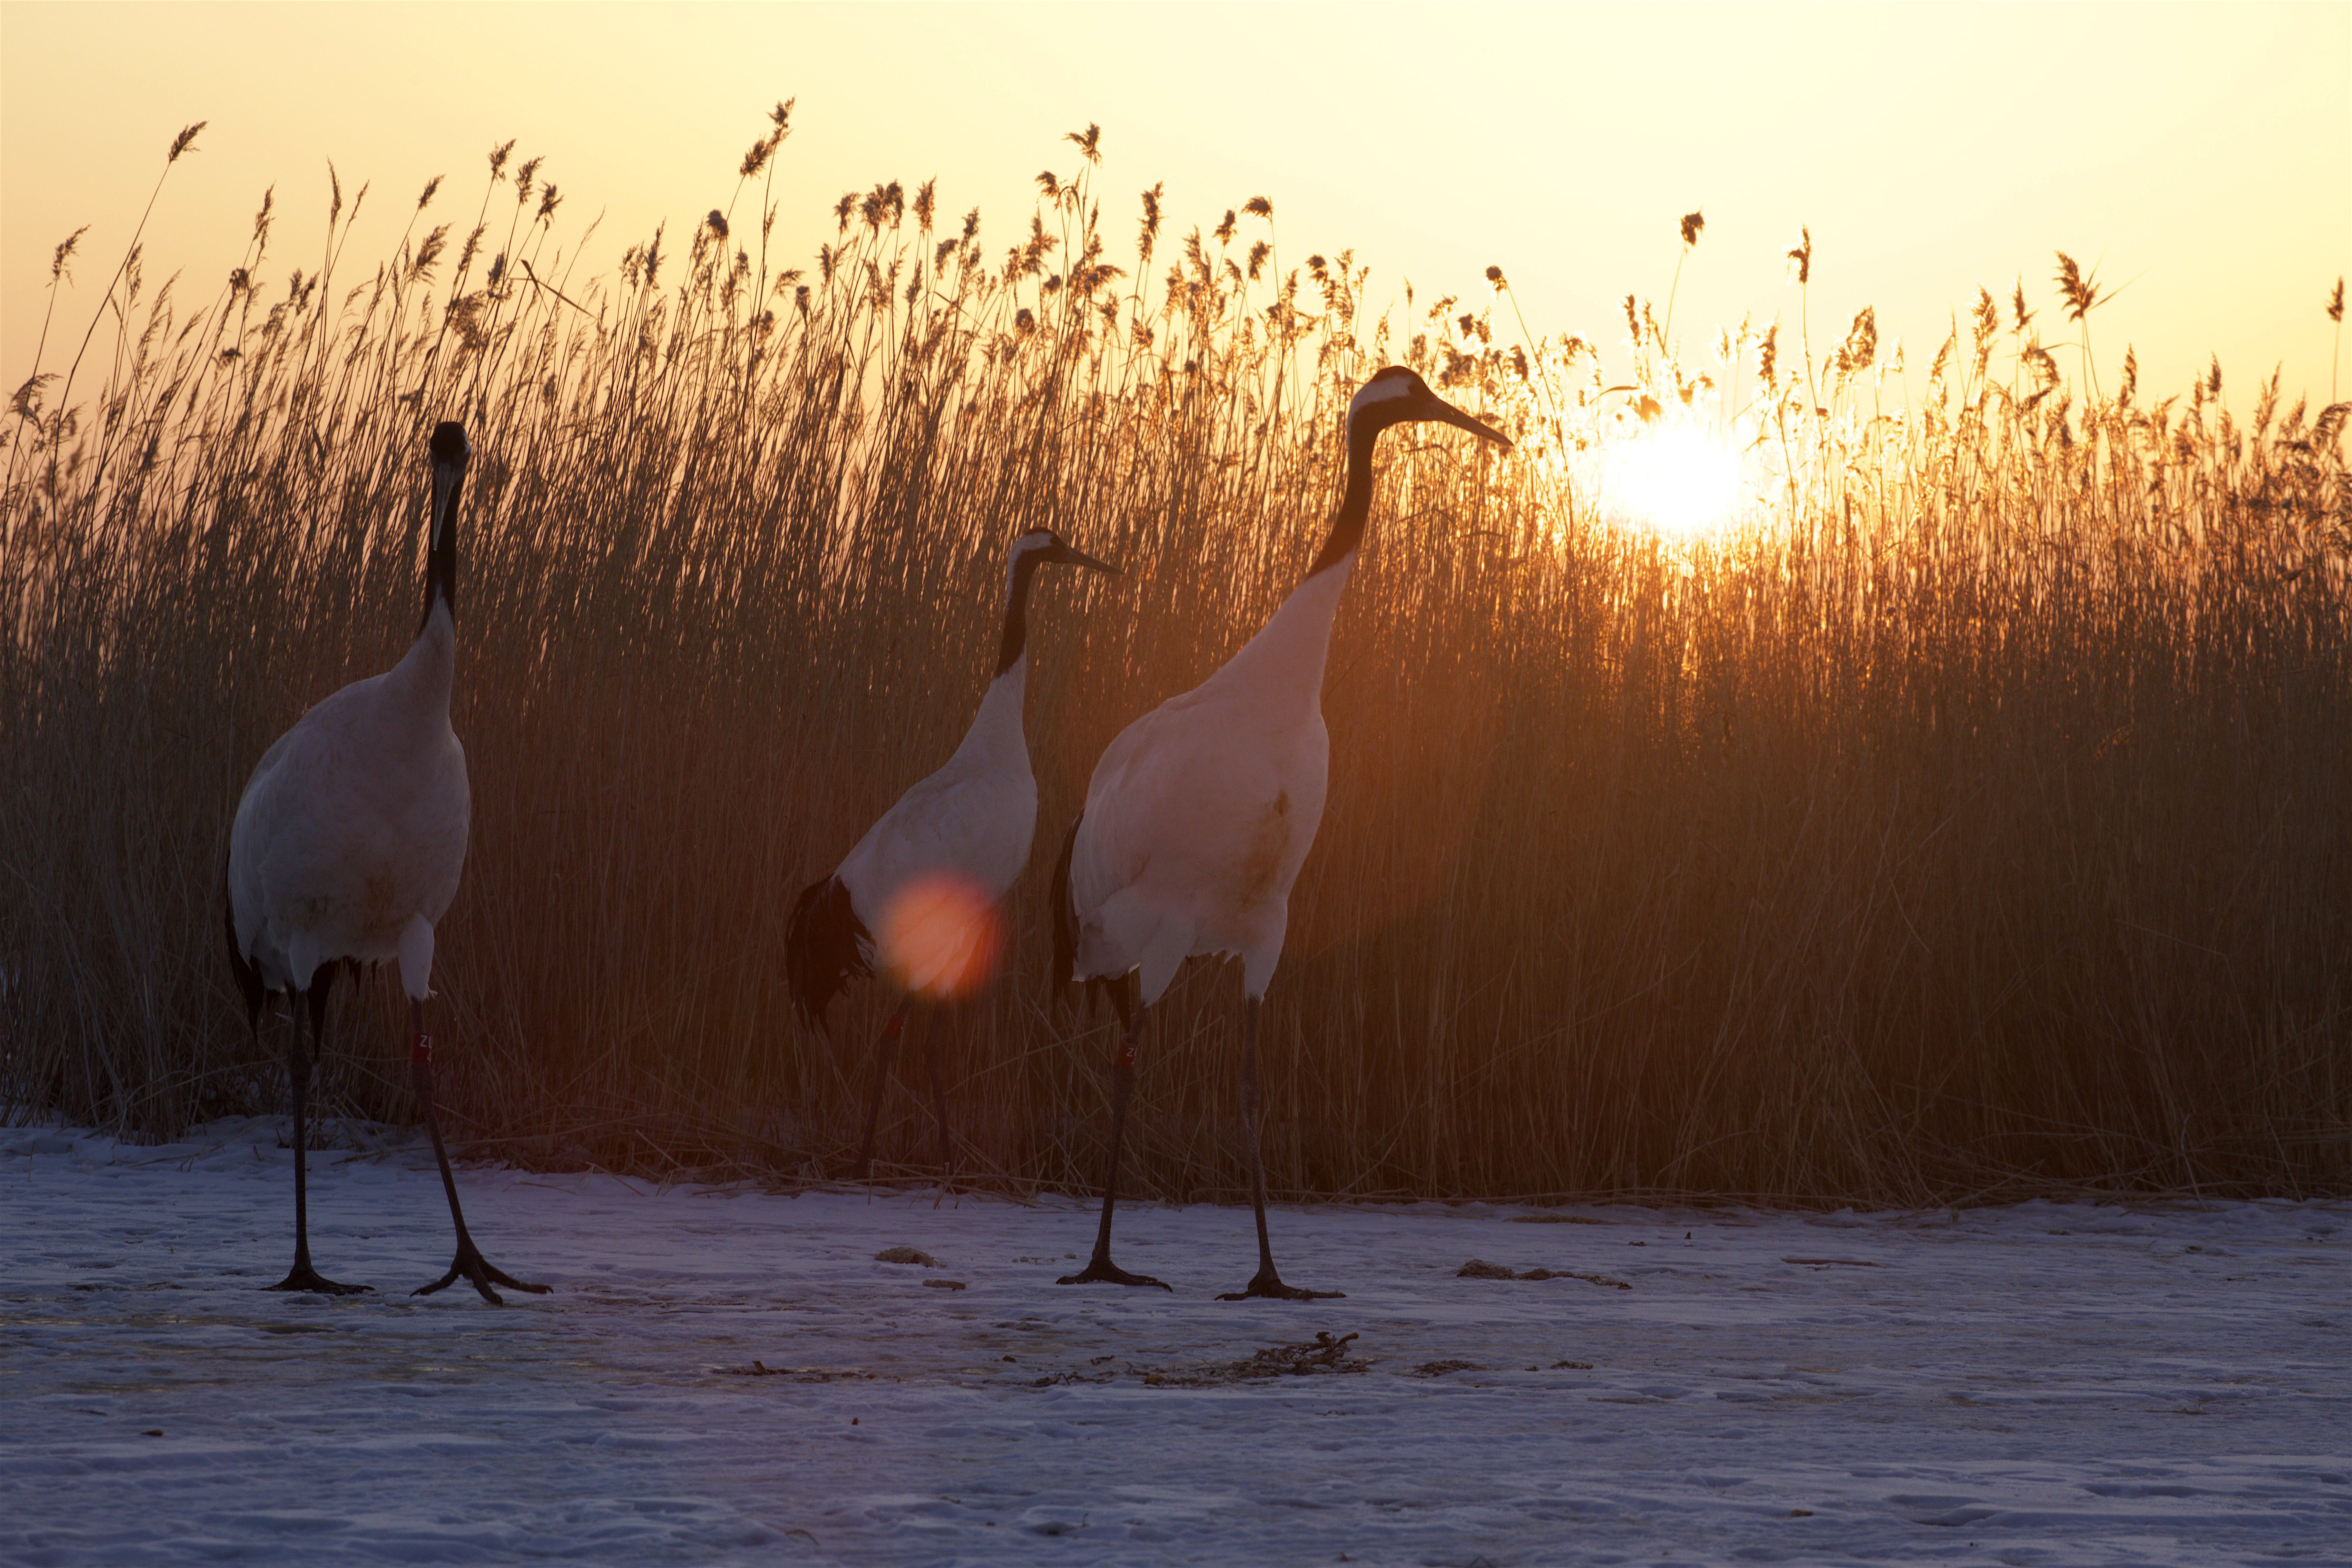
[(2198, 157)]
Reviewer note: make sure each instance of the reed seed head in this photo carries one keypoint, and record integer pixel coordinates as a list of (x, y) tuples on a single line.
[(1986, 317), (2080, 293), (66, 249), (760, 150)]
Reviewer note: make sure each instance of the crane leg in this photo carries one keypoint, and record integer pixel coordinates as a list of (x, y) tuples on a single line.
[(469, 1264), (302, 1276), (886, 1051), (1268, 1282), (940, 1024), (1100, 1269)]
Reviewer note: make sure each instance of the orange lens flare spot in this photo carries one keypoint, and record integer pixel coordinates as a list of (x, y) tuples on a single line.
[(941, 937)]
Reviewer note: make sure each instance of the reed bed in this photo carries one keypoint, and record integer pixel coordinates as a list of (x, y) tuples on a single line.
[(1968, 821)]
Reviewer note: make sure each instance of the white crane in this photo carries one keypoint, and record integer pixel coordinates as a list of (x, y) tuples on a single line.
[(347, 847), (1201, 813), (929, 873)]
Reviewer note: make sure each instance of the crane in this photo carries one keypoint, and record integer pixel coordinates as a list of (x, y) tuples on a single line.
[(346, 850), (1201, 813), (928, 876)]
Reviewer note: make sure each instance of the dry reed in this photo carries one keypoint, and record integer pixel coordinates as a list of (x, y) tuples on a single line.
[(1969, 822)]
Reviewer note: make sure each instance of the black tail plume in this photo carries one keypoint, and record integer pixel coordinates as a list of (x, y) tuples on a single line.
[(1066, 917), (248, 974), (825, 947)]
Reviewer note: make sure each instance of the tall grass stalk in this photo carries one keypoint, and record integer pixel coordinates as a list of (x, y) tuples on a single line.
[(1968, 821)]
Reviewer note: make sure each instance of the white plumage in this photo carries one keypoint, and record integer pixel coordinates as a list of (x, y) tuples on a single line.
[(351, 833), (1201, 813), (347, 847), (915, 897), (971, 820)]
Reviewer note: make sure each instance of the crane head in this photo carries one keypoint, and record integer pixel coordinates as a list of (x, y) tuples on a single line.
[(1397, 396), (1043, 547)]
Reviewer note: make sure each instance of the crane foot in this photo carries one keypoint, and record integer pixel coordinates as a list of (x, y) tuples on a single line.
[(1269, 1284), (472, 1267), (302, 1276), (1103, 1272)]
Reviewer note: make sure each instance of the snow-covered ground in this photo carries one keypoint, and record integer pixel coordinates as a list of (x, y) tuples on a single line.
[(730, 1375)]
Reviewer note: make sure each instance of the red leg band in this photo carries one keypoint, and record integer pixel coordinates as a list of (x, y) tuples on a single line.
[(420, 1051)]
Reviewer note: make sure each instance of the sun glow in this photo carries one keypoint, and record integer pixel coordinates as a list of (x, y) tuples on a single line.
[(1676, 477), (940, 937)]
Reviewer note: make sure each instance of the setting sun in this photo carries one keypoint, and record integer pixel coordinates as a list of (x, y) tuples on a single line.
[(1676, 477)]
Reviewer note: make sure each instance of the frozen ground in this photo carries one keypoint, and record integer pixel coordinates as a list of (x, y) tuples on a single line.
[(2047, 1383)]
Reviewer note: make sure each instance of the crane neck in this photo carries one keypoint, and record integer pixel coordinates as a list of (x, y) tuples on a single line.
[(426, 671), (441, 555), (1283, 665), (997, 742), (1347, 533), (1014, 644)]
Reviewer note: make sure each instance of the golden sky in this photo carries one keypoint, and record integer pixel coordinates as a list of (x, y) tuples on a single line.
[(2200, 155)]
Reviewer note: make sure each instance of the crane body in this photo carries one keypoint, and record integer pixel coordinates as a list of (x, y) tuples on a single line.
[(915, 897)]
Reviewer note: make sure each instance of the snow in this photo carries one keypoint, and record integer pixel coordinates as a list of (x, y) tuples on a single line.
[(729, 1374)]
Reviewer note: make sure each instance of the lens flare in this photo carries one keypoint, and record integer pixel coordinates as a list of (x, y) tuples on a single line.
[(1680, 481), (940, 937)]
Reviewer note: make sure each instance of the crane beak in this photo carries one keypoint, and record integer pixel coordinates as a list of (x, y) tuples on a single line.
[(1437, 408), (1069, 557)]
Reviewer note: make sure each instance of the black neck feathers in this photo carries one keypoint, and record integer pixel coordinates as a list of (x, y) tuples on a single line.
[(449, 453), (441, 572), (1355, 505), (1016, 610)]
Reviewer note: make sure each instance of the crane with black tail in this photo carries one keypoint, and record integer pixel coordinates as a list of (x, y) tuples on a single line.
[(1201, 813), (916, 899)]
